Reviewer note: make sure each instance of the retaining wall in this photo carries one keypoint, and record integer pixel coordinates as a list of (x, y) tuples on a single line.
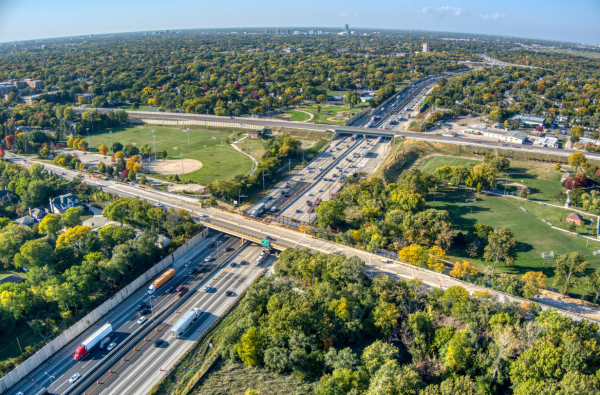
[(21, 371)]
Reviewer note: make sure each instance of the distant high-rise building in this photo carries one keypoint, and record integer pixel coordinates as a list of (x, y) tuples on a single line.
[(426, 47), (346, 27)]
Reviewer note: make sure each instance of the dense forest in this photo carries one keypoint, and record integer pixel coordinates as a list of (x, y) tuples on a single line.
[(321, 318)]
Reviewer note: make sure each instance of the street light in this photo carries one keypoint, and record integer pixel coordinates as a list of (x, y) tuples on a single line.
[(51, 381), (182, 170), (188, 132), (88, 134)]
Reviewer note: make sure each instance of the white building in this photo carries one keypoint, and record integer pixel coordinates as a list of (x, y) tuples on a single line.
[(546, 142), (509, 136)]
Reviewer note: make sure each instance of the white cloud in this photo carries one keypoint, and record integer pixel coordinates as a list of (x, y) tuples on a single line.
[(497, 15), (444, 11)]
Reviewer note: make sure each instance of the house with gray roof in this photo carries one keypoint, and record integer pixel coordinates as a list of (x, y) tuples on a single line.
[(62, 203)]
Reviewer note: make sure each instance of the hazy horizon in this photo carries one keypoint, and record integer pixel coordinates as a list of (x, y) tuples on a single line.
[(36, 20)]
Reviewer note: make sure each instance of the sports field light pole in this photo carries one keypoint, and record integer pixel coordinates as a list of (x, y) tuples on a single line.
[(154, 144), (521, 193), (88, 133), (182, 170), (188, 132), (590, 233)]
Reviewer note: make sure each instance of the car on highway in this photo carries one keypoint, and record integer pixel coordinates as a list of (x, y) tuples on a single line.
[(170, 290), (208, 259), (188, 263), (143, 311), (243, 262), (227, 249), (111, 346), (141, 305), (207, 288), (74, 378), (211, 245), (228, 293), (301, 178), (179, 288), (193, 271), (273, 209), (202, 215), (320, 190), (309, 194), (141, 320), (158, 342), (298, 211), (232, 264), (159, 205)]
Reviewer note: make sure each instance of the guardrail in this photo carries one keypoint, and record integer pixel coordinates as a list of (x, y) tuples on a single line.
[(58, 343)]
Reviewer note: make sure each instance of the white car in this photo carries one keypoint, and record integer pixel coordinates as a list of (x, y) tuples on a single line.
[(111, 346), (206, 288), (202, 215), (74, 378), (208, 259), (141, 320), (159, 205)]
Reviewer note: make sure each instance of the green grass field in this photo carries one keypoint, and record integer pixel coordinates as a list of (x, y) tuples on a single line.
[(220, 161), (333, 114), (129, 107), (532, 234), (294, 115), (429, 165)]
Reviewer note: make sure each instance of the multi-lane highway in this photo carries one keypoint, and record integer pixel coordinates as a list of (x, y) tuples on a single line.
[(124, 319), (322, 178), (144, 364)]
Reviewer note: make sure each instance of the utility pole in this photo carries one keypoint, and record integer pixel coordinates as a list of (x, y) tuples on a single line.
[(88, 134)]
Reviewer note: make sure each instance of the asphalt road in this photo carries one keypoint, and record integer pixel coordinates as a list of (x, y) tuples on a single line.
[(144, 365), (123, 320)]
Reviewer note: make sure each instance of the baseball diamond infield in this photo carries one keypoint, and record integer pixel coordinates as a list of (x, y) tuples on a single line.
[(173, 166)]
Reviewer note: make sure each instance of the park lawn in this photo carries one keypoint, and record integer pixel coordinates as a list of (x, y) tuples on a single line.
[(541, 179), (435, 162), (532, 234), (335, 112), (252, 147), (219, 160), (294, 115)]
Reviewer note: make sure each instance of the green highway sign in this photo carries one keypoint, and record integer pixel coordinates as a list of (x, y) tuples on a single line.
[(264, 243)]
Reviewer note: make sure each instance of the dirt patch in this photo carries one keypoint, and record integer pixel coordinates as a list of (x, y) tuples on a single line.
[(174, 166), (335, 119), (285, 116), (514, 184), (190, 188)]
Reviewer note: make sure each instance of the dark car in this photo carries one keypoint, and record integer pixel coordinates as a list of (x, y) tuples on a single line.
[(232, 264), (170, 290), (202, 269), (143, 311), (243, 262), (141, 305), (193, 271), (228, 293), (179, 288), (158, 342), (211, 245)]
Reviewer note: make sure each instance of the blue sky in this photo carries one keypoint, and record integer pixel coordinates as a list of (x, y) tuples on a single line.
[(573, 20)]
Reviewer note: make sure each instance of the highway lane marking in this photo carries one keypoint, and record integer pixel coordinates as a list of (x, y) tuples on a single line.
[(216, 298)]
